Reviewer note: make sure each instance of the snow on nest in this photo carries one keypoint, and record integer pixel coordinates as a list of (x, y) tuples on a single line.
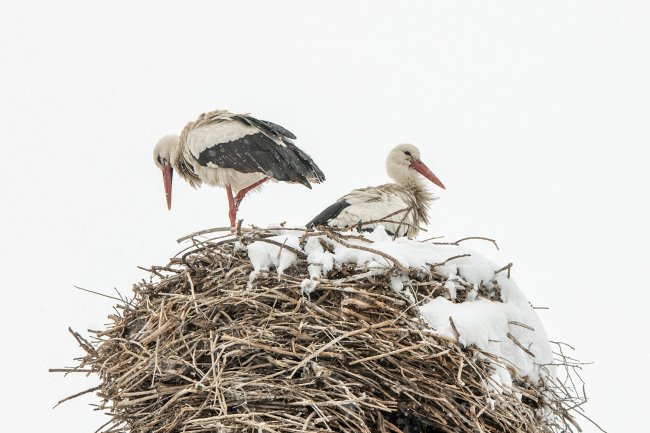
[(496, 327)]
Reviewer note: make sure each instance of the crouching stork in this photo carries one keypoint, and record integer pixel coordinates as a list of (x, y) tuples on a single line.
[(235, 151), (401, 207)]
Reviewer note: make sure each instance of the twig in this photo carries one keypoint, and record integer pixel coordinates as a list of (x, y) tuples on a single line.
[(433, 265), (94, 388), (386, 216), (203, 232), (403, 221), (518, 344), (70, 370), (467, 239), (508, 267), (85, 345), (523, 325), (453, 327), (100, 294)]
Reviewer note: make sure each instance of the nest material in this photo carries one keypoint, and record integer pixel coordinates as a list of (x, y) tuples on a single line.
[(198, 350)]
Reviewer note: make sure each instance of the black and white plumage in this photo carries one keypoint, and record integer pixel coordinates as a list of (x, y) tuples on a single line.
[(402, 206), (235, 151)]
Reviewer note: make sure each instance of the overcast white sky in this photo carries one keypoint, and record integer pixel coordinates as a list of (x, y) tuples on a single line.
[(534, 115)]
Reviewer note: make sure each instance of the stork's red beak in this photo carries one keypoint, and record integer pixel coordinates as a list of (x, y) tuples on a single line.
[(421, 168), (168, 174)]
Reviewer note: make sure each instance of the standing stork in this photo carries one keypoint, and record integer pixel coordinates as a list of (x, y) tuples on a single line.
[(400, 207), (235, 151)]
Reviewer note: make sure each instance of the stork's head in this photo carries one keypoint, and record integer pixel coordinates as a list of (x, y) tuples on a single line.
[(164, 154), (403, 164)]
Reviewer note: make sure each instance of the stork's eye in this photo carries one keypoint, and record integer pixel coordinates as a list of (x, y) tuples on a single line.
[(407, 153), (159, 160)]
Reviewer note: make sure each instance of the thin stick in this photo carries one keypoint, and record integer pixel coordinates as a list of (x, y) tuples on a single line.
[(508, 267), (94, 388), (70, 370), (521, 346), (523, 325), (457, 243), (385, 217), (203, 232), (403, 221), (100, 294), (453, 326), (82, 342), (478, 238), (460, 256)]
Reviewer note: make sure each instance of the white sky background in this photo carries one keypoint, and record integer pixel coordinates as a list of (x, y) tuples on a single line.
[(535, 116)]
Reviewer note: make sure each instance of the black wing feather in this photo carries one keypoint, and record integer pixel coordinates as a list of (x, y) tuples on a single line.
[(279, 129), (315, 172), (267, 127), (328, 214)]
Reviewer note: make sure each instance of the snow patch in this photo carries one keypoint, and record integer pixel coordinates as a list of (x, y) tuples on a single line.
[(263, 255), (399, 284)]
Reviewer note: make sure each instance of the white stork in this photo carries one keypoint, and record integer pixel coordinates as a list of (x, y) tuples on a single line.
[(236, 152), (408, 194)]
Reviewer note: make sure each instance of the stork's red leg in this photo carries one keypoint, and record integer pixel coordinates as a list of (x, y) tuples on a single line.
[(242, 192), (232, 208)]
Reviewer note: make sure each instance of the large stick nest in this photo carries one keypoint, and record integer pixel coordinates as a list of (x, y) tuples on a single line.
[(197, 349)]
